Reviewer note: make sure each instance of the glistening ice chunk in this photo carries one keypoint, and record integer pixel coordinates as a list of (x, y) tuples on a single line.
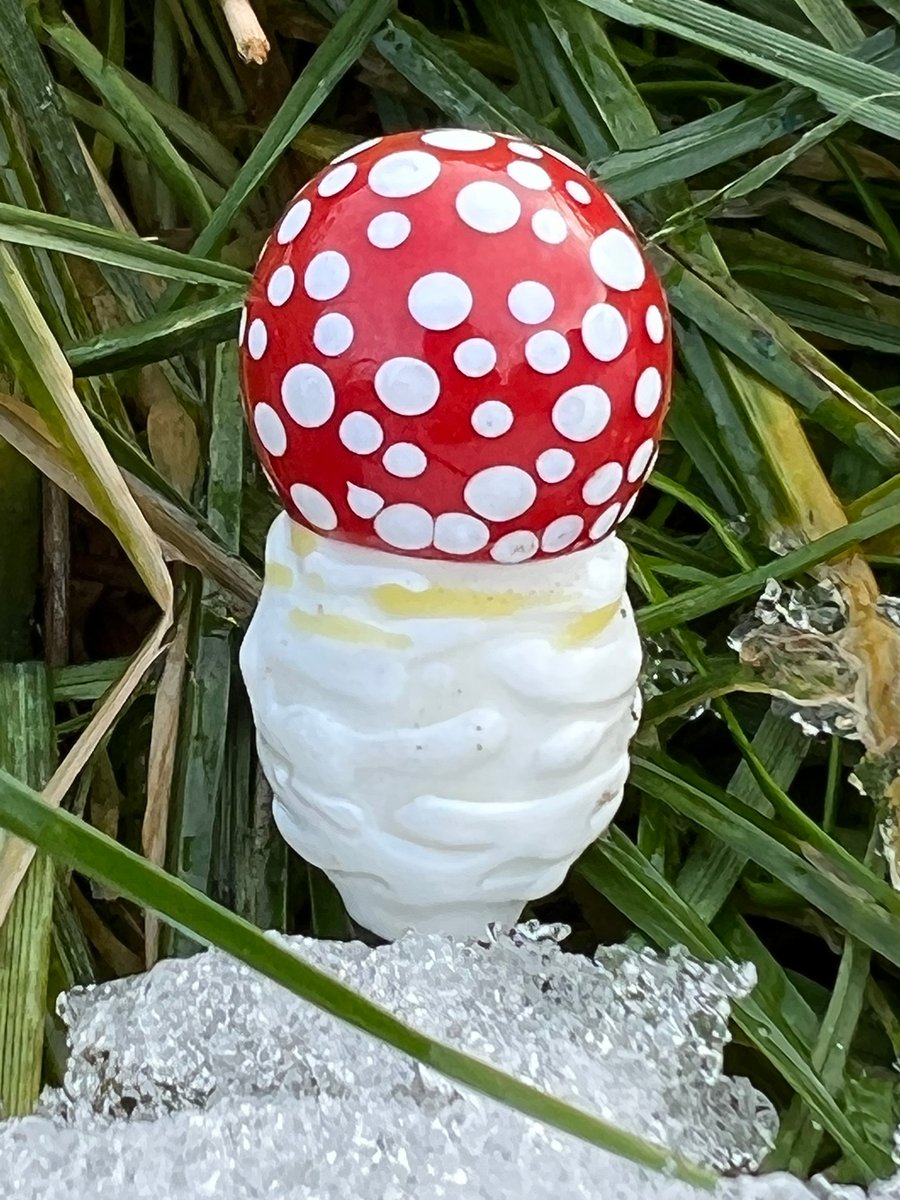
[(204, 1079)]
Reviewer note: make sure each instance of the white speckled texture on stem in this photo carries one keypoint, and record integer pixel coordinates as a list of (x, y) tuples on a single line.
[(443, 738)]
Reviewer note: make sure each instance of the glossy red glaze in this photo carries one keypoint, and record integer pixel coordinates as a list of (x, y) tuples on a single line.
[(395, 456)]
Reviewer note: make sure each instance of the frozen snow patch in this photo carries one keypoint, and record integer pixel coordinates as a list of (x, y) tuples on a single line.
[(204, 1079)]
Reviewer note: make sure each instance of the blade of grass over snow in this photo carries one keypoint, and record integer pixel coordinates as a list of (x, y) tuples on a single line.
[(63, 836), (616, 867)]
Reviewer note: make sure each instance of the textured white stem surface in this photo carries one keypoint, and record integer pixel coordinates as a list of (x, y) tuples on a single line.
[(443, 738)]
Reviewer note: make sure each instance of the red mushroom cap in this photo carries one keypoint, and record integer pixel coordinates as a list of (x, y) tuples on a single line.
[(453, 346)]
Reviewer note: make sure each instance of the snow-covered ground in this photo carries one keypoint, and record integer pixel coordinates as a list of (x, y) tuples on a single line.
[(202, 1079)]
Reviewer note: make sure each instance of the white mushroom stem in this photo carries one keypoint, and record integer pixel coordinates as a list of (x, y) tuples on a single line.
[(252, 44), (443, 738)]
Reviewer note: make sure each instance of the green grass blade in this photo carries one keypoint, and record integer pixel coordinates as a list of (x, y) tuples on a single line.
[(333, 58), (828, 886), (753, 334), (163, 336), (590, 52), (575, 99), (751, 181), (27, 747), (800, 1134), (729, 133), (865, 92), (185, 129), (709, 597), (204, 703), (92, 853), (616, 868), (835, 22), (711, 870), (724, 676), (85, 681), (53, 136), (108, 82), (26, 228), (37, 361), (671, 487), (438, 71)]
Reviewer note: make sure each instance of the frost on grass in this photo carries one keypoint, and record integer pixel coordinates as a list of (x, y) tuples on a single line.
[(202, 1079)]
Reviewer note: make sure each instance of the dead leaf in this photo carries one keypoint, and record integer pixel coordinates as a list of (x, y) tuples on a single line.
[(174, 445), (161, 764)]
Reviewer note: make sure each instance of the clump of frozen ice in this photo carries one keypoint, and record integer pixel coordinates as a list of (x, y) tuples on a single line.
[(203, 1079)]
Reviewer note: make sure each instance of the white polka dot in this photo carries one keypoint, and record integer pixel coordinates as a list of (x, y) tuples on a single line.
[(526, 150), (335, 181), (326, 275), (407, 386), (242, 326), (530, 302), (561, 533), (270, 429), (515, 547), (529, 175), (363, 501), (578, 191), (654, 324), (547, 352), (626, 511), (553, 466), (475, 357), (604, 522), (281, 285), (332, 334), (458, 139), (405, 526), (563, 159), (404, 460), (648, 392), (360, 433), (639, 460), (488, 207), (492, 418), (293, 221), (405, 173), (354, 150), (257, 338), (315, 507), (581, 412), (439, 300), (550, 226), (652, 463), (500, 493), (617, 261), (458, 533), (389, 230), (603, 484), (308, 395), (604, 332)]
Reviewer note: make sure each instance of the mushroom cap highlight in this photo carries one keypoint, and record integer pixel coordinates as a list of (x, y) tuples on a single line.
[(454, 347)]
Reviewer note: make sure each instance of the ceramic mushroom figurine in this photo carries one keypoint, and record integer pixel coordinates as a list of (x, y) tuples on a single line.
[(455, 363)]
